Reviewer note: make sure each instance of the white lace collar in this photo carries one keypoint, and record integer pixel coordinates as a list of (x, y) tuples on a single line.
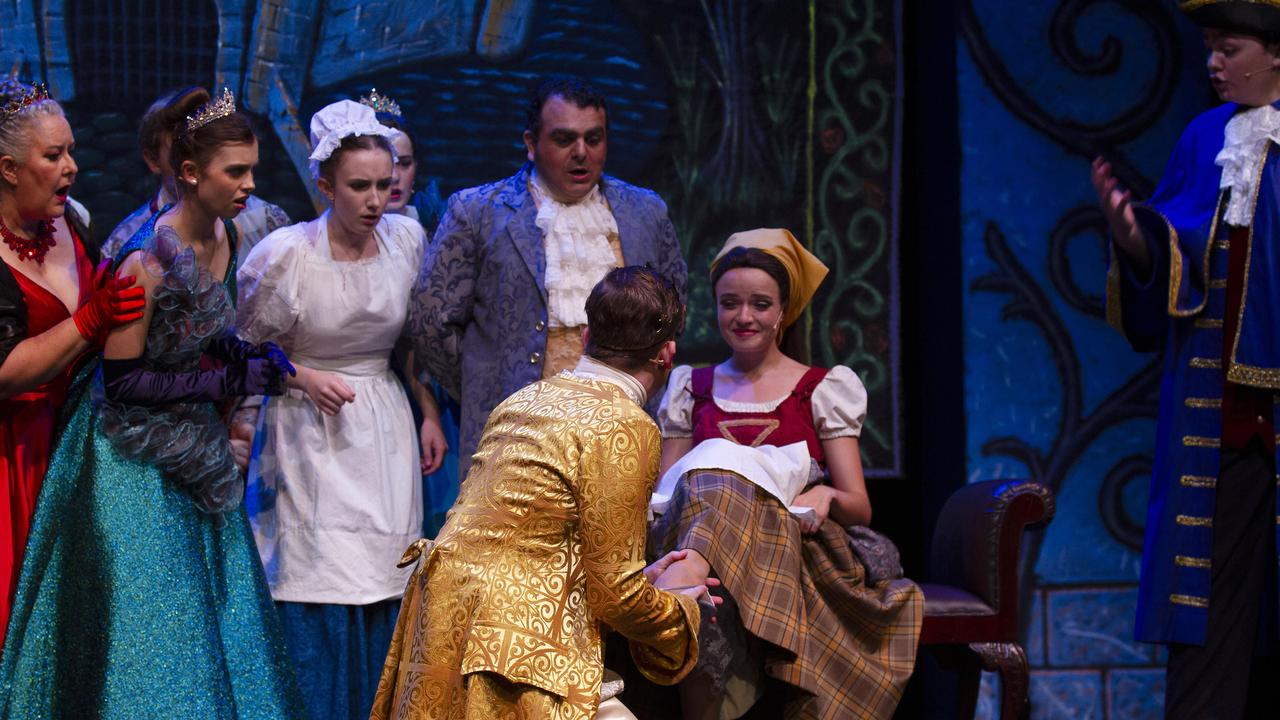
[(592, 369), (1246, 136), (576, 240)]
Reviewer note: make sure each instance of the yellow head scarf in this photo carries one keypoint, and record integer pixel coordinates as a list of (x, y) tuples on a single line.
[(804, 270)]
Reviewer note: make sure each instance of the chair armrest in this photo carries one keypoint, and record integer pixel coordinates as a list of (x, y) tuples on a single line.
[(979, 534)]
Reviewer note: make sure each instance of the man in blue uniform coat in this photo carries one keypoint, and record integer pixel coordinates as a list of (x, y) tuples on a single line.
[(1196, 270)]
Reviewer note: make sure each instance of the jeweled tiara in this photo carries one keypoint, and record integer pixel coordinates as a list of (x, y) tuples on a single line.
[(35, 94), (381, 103), (219, 107)]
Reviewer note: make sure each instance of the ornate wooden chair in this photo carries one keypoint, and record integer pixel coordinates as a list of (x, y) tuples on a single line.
[(971, 607)]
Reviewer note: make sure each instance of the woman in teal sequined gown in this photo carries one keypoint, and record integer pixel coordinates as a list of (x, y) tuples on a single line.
[(141, 594)]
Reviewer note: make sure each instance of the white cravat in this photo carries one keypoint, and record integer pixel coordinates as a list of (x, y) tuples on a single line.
[(1246, 136), (576, 239)]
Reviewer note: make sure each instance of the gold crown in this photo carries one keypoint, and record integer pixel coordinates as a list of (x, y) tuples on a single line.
[(32, 95), (219, 107), (381, 103)]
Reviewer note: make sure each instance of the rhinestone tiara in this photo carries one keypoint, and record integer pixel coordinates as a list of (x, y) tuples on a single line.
[(34, 94), (218, 107), (381, 103)]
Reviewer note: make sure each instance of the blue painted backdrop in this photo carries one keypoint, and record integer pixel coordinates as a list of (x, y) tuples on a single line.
[(1050, 391)]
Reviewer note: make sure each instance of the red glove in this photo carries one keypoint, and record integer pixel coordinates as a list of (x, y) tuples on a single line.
[(115, 301)]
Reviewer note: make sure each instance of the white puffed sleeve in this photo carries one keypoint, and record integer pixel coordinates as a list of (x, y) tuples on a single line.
[(408, 238), (839, 404), (267, 308), (675, 414)]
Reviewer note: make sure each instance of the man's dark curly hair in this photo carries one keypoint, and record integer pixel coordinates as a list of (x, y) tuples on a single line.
[(576, 91)]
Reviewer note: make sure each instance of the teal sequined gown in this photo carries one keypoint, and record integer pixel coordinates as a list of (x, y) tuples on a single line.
[(132, 601)]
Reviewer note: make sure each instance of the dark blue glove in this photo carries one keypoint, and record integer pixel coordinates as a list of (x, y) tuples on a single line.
[(232, 349)]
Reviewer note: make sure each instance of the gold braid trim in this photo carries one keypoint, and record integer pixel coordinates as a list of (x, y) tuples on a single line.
[(1236, 371), (1194, 521), (1175, 263), (1203, 403)]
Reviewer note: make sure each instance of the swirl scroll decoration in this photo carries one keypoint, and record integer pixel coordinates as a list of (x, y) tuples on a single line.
[(854, 317), (1136, 396), (738, 156)]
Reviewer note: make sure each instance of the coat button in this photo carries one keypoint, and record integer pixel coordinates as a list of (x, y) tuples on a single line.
[(540, 326), (535, 358), (1261, 420)]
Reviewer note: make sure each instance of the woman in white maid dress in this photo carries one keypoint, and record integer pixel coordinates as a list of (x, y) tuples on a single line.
[(335, 479)]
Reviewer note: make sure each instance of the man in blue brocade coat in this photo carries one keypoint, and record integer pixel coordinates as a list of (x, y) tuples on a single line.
[(1197, 271), (499, 302)]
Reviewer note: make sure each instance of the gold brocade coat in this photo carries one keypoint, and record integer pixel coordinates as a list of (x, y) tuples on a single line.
[(545, 543)]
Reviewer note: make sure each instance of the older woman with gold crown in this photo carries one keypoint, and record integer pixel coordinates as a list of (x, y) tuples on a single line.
[(1195, 271), (54, 308), (141, 592), (761, 476)]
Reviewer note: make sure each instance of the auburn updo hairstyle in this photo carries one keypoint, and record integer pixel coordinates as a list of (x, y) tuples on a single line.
[(200, 144), (396, 122)]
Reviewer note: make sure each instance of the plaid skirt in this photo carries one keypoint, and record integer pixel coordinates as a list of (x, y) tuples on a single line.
[(846, 649)]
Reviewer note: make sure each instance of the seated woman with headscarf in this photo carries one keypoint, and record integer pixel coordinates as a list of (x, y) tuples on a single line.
[(769, 519)]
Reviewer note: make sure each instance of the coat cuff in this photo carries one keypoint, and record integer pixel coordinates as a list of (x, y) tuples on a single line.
[(669, 668)]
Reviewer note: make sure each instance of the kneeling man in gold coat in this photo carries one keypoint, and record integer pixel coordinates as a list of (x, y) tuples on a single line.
[(503, 616)]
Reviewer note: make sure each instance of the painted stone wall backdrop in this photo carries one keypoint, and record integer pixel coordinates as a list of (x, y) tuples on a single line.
[(741, 114), (710, 106), (1051, 392)]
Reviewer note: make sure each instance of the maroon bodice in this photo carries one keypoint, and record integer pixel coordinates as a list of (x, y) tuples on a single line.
[(790, 422)]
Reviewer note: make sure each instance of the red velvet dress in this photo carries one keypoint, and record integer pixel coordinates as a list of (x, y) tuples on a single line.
[(26, 429)]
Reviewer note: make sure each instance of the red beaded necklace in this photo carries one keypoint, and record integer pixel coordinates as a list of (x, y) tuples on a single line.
[(33, 249)]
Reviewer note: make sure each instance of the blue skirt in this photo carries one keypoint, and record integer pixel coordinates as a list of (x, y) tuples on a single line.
[(338, 652), (134, 602)]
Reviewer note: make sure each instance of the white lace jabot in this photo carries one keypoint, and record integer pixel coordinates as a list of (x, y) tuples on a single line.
[(576, 238), (1246, 136)]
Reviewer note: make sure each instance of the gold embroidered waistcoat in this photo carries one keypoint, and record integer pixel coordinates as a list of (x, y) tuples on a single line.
[(545, 543)]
